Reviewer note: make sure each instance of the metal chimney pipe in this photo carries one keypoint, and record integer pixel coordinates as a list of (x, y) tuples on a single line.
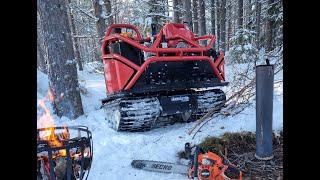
[(195, 163), (264, 110)]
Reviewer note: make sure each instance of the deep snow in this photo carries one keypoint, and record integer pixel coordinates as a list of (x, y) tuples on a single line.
[(113, 151)]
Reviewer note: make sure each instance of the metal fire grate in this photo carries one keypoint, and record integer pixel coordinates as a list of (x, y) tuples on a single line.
[(74, 163)]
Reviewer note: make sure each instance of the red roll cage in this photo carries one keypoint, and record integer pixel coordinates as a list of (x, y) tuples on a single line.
[(180, 35)]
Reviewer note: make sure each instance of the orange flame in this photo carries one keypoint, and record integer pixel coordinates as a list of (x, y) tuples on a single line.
[(63, 152), (46, 121)]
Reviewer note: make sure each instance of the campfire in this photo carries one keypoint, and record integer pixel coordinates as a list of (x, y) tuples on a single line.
[(62, 152)]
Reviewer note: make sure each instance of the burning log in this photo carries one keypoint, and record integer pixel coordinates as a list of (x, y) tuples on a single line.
[(62, 157), (61, 169)]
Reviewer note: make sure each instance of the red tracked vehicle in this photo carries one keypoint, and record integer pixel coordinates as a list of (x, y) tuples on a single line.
[(159, 80)]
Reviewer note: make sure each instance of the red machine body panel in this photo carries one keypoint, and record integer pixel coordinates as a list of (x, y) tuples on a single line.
[(122, 74), (170, 31), (117, 75)]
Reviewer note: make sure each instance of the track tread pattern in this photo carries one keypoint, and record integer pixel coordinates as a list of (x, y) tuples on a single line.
[(144, 114)]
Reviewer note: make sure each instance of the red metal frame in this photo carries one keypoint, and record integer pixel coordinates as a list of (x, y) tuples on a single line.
[(181, 34)]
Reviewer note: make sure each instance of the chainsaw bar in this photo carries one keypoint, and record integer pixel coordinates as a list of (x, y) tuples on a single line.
[(157, 166)]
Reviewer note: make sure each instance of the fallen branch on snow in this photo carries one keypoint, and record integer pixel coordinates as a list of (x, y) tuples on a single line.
[(237, 95), (215, 109)]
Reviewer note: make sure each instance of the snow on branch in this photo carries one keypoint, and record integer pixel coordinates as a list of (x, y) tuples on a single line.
[(157, 14)]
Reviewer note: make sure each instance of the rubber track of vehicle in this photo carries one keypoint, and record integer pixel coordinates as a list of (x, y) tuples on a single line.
[(143, 114)]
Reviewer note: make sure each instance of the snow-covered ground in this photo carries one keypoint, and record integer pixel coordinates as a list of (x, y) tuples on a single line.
[(114, 151)]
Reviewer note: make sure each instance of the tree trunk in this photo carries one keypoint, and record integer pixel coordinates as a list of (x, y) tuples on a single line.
[(258, 19), (240, 14), (115, 10), (269, 27), (202, 15), (251, 15), (155, 9), (248, 15), (101, 25), (41, 59), (176, 11), (218, 15), (187, 14), (195, 16), (175, 14), (73, 33), (213, 18), (229, 27), (107, 4), (62, 71), (41, 64), (167, 7), (228, 34), (180, 7), (223, 24)]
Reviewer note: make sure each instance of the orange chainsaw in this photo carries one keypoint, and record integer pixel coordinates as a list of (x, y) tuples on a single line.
[(202, 166)]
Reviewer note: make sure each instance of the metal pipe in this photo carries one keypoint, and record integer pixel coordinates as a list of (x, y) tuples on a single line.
[(264, 110), (195, 163)]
